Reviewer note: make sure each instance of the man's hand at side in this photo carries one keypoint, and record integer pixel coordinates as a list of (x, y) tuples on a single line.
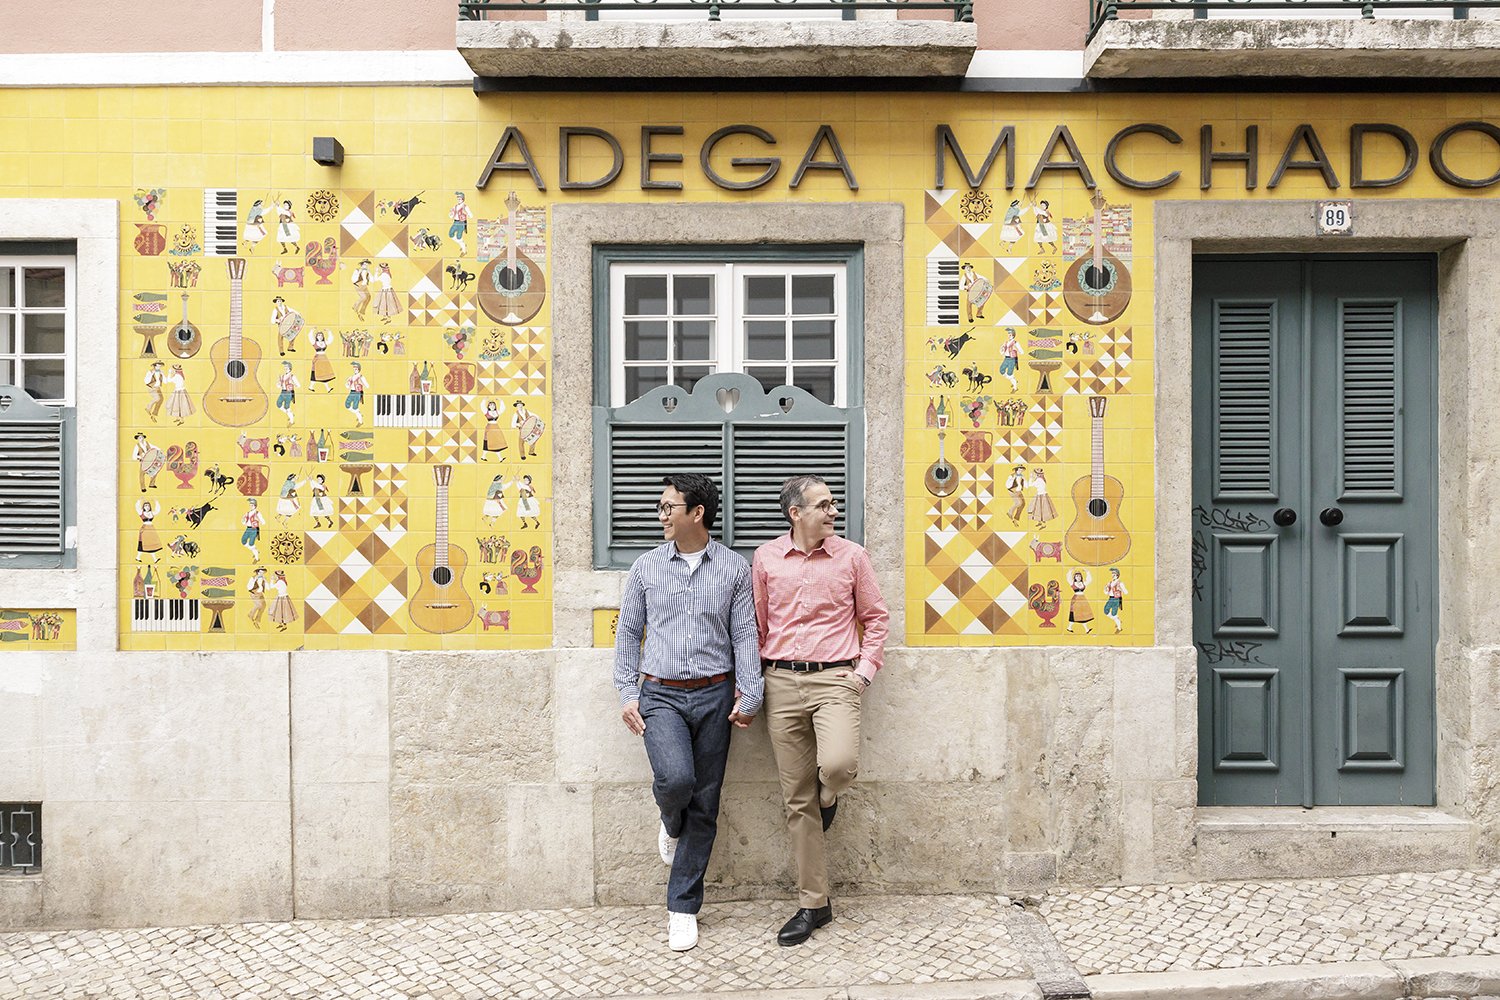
[(740, 721), (631, 713)]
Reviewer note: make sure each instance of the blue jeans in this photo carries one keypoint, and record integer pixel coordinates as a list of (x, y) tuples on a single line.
[(687, 741)]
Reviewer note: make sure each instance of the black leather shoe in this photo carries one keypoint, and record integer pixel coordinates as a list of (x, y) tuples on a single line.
[(801, 926), (828, 812)]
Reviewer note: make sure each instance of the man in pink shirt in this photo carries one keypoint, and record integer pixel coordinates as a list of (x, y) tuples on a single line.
[(814, 592)]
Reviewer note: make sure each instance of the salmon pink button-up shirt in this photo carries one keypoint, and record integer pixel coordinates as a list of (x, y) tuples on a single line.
[(807, 604)]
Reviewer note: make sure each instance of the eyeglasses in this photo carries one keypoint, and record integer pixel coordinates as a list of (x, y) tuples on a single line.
[(664, 509), (827, 506)]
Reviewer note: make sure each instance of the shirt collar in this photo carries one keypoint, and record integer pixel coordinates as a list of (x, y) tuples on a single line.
[(706, 551), (826, 546)]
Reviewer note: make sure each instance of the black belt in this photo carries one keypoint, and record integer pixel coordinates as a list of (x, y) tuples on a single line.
[(806, 666)]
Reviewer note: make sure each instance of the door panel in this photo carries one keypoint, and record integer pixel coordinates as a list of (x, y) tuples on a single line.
[(1372, 715), (1246, 586), (1247, 316), (1246, 734), (1374, 325), (1314, 392), (1373, 582)]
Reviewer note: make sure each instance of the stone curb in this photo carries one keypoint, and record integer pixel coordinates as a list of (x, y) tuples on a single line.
[(978, 989), (1419, 979), (1343, 981), (1451, 977)]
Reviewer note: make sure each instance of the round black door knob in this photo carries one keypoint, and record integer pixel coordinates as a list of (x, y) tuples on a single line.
[(1285, 516), (1331, 516)]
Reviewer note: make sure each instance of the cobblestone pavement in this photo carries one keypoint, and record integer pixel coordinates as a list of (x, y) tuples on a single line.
[(621, 951), (1226, 925), (607, 951)]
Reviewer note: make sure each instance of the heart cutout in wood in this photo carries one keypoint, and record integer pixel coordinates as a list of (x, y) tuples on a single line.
[(786, 403), (669, 403), (728, 398)]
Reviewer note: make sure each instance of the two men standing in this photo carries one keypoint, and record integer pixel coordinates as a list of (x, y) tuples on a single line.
[(707, 618)]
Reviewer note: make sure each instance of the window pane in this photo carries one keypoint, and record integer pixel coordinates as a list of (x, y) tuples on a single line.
[(7, 286), (7, 334), (646, 295), (44, 378), (812, 294), (693, 295), (765, 295), (687, 376), (812, 340), (694, 340), (765, 340), (646, 340), (43, 334), (7, 372), (769, 378), (44, 288), (818, 381), (639, 381)]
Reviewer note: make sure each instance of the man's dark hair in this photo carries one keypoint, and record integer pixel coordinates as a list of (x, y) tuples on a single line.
[(794, 493), (697, 491)]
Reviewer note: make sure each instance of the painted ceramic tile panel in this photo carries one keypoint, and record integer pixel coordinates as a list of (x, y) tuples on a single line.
[(335, 421), (1032, 497), (38, 629)]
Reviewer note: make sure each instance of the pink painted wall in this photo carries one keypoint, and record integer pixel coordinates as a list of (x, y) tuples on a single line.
[(1023, 24), (40, 26), (368, 24), (1031, 24), (33, 26)]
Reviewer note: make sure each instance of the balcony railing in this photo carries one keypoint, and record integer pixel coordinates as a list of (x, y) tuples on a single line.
[(1101, 11), (712, 10)]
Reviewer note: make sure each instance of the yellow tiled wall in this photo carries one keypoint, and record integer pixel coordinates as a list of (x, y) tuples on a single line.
[(975, 574)]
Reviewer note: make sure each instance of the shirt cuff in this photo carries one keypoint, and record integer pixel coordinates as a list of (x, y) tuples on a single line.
[(866, 671), (629, 694), (748, 705)]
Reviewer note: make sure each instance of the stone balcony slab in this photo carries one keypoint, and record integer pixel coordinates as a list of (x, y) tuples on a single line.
[(727, 49), (1294, 47)]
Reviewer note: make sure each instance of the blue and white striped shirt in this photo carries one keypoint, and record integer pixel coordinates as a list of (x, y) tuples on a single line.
[(697, 623)]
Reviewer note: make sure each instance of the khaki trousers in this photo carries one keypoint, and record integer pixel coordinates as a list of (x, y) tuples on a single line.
[(814, 725)]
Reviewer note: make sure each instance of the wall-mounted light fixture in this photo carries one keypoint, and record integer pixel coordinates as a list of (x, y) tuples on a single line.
[(328, 151)]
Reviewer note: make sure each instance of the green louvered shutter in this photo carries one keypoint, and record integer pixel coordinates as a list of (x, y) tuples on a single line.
[(1245, 398), (765, 455), (640, 454), (1369, 386), (749, 449), (31, 476)]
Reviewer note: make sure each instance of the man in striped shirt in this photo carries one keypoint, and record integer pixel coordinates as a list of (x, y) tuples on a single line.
[(697, 672), (814, 593)]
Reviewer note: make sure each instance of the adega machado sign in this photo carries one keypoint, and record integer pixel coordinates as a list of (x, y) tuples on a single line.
[(1225, 155)]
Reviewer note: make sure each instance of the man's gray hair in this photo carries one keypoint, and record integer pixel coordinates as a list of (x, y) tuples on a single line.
[(794, 492)]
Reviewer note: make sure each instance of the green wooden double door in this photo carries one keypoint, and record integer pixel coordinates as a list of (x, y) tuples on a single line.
[(1314, 493)]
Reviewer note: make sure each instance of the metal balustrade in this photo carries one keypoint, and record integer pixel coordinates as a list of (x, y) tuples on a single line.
[(713, 10)]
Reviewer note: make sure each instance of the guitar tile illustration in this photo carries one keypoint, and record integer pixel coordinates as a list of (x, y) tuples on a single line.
[(441, 602), (1097, 537)]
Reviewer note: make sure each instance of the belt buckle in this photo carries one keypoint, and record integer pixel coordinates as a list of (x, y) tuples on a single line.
[(802, 666)]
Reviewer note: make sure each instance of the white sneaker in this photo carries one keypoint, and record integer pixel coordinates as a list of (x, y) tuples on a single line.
[(667, 846), (682, 931)]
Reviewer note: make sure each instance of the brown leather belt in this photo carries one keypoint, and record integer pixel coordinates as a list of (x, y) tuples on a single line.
[(690, 684)]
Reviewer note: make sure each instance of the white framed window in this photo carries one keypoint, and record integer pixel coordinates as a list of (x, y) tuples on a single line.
[(672, 323), (37, 326)]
